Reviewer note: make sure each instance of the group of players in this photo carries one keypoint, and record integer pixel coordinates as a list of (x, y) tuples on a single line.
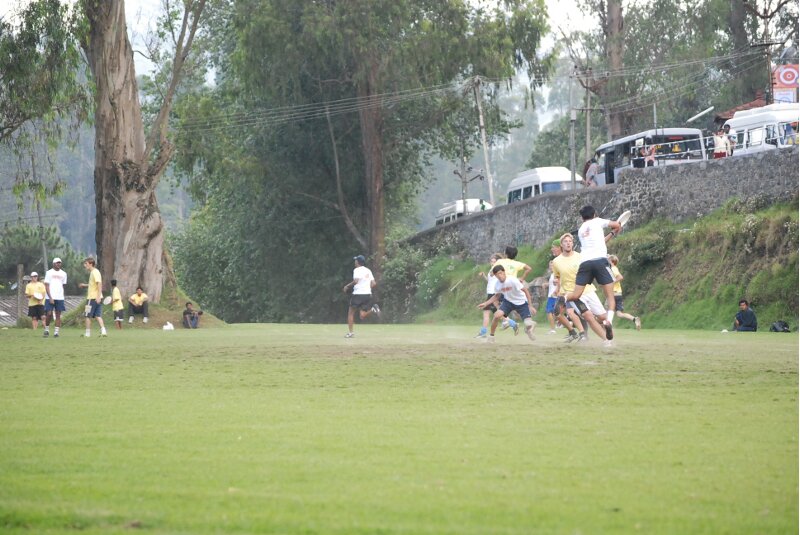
[(572, 298)]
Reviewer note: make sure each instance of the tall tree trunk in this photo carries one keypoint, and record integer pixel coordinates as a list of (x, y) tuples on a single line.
[(371, 120), (745, 84), (129, 234)]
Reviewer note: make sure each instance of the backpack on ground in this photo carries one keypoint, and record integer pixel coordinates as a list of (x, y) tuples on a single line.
[(779, 326)]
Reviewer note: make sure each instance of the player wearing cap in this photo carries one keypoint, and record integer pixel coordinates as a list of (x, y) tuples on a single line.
[(35, 291), (94, 297), (362, 284), (54, 281)]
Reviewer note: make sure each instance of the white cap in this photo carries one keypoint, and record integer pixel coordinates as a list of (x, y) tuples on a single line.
[(34, 274), (56, 260)]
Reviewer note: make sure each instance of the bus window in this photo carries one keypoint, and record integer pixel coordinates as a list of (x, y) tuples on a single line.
[(536, 190), (551, 186), (526, 192), (772, 135), (514, 196), (755, 137)]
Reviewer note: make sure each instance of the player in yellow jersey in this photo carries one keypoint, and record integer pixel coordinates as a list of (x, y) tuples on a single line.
[(94, 297), (620, 307)]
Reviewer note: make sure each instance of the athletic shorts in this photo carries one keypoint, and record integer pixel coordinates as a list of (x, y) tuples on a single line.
[(507, 307), (58, 305), (95, 309), (118, 315), (619, 306), (490, 308), (361, 301), (597, 269), (35, 311), (551, 305), (593, 304)]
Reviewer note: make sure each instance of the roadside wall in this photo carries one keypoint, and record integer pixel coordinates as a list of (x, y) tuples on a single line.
[(675, 193)]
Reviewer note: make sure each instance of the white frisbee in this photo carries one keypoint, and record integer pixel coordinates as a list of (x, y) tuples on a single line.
[(37, 296), (107, 300), (626, 215)]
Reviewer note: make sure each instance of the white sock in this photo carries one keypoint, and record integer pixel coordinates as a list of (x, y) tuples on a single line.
[(103, 330), (610, 316), (88, 333), (55, 330), (46, 329)]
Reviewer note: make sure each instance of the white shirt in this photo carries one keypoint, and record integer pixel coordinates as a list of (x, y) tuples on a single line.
[(57, 280), (363, 276), (551, 286), (491, 283), (512, 290), (593, 239)]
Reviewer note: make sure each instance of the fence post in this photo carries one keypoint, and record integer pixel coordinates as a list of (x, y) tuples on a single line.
[(20, 292)]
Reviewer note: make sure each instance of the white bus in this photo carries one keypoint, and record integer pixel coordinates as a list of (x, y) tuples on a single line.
[(766, 128), (673, 145), (533, 182), (455, 209)]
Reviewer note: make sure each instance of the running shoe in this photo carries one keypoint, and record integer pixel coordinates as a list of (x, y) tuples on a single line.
[(376, 310), (55, 335), (638, 322), (46, 334), (515, 326), (482, 334), (349, 335), (609, 330), (608, 343), (529, 332), (489, 339), (551, 331), (571, 338), (582, 338), (505, 325)]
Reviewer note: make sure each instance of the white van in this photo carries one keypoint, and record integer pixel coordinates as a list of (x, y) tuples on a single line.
[(533, 182), (455, 209), (765, 128)]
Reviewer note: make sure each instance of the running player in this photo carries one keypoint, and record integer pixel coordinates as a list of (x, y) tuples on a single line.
[(512, 295), (619, 306)]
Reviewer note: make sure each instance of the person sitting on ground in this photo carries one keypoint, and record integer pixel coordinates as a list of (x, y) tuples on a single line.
[(191, 318), (137, 304), (745, 319)]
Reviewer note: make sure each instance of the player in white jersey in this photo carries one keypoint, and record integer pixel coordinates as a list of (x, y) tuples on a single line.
[(54, 281), (491, 283), (512, 295), (594, 261), (362, 284)]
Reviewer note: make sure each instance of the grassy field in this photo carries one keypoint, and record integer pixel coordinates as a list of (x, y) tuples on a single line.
[(404, 429)]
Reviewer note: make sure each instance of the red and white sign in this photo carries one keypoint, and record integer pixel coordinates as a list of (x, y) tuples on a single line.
[(786, 76)]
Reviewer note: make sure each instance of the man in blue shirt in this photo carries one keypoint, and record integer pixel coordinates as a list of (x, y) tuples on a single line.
[(745, 318)]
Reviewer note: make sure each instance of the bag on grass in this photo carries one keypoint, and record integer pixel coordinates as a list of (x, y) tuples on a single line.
[(779, 326)]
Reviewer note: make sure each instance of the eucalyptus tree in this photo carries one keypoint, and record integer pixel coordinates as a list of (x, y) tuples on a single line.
[(375, 52)]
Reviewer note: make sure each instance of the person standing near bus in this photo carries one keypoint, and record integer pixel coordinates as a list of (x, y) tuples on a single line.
[(648, 152), (722, 145)]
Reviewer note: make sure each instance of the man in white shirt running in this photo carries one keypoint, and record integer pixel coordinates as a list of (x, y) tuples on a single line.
[(361, 300), (511, 294), (594, 261), (54, 281)]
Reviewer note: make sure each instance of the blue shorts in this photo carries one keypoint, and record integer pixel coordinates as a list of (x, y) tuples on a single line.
[(551, 305), (619, 304), (95, 308), (58, 305), (508, 307)]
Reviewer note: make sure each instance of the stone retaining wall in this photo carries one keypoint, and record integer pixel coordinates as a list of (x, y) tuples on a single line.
[(676, 193)]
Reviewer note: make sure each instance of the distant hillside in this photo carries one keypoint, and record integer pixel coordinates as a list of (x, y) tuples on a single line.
[(686, 275)]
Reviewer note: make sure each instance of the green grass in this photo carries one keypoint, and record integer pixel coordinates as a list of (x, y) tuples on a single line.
[(404, 429)]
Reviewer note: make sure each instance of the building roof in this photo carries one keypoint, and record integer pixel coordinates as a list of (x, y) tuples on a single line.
[(759, 101)]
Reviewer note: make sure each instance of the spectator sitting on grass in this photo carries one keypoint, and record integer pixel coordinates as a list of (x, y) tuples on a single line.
[(137, 304), (745, 318), (191, 319)]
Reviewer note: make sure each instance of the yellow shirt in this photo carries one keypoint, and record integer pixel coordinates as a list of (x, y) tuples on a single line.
[(32, 288), (95, 282), (116, 300), (137, 299), (513, 267), (566, 269), (617, 284)]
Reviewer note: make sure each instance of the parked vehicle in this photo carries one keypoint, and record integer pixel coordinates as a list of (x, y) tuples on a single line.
[(765, 128), (455, 209), (540, 180), (673, 146)]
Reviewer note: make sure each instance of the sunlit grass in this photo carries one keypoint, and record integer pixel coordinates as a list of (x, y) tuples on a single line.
[(404, 429)]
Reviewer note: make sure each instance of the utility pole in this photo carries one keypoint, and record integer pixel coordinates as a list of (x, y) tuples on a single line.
[(572, 118), (655, 117), (45, 262), (475, 85), (766, 43), (462, 175)]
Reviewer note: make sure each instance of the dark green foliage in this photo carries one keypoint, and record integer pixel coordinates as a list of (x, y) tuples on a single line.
[(22, 244)]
